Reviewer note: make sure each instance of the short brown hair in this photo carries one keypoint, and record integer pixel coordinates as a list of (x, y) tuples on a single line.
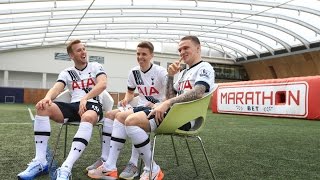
[(192, 38), (71, 43), (146, 44)]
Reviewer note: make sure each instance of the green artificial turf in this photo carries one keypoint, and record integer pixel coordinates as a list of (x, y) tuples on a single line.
[(239, 147)]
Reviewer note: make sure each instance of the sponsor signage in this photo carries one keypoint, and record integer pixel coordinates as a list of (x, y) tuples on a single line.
[(275, 99)]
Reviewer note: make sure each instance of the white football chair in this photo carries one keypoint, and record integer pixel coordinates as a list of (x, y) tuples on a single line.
[(107, 104)]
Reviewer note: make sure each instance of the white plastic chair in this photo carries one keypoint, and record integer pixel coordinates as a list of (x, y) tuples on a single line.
[(107, 104)]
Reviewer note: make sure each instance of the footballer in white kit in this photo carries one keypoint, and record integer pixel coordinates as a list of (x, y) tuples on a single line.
[(150, 84), (200, 73), (79, 83)]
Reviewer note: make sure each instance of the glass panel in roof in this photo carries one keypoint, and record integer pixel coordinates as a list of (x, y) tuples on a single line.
[(153, 11), (72, 3), (174, 32), (57, 13), (22, 37), (294, 27), (29, 45), (26, 5), (57, 34), (56, 42), (164, 2), (104, 2), (264, 39), (124, 31), (140, 19), (64, 21), (248, 43), (20, 41), (57, 38), (206, 13), (223, 5), (237, 46), (313, 4)]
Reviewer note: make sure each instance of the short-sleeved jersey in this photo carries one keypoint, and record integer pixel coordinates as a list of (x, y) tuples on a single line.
[(80, 82), (150, 84), (200, 73)]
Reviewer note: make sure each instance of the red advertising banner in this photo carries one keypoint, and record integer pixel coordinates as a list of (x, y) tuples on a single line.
[(297, 97)]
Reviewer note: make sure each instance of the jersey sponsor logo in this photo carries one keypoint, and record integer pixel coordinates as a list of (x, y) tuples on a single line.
[(148, 91), (83, 84), (185, 85)]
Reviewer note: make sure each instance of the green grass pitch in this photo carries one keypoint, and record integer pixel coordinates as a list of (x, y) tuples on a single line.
[(239, 147)]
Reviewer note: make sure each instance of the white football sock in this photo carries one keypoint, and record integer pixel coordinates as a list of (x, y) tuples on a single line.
[(118, 138), (42, 130), (80, 141), (106, 137), (141, 141), (134, 156)]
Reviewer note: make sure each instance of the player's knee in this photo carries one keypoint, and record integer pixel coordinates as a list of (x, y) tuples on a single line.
[(43, 112), (131, 121), (110, 115), (89, 118), (121, 116)]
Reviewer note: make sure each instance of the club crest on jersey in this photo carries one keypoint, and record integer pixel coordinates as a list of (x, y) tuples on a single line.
[(83, 84), (204, 73), (148, 91)]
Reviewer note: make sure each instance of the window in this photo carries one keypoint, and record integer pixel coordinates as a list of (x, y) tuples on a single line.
[(98, 59), (230, 72), (62, 56)]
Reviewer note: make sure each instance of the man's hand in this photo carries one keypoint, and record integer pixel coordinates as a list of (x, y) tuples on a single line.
[(82, 106), (123, 102), (149, 104), (159, 111), (42, 103), (174, 68)]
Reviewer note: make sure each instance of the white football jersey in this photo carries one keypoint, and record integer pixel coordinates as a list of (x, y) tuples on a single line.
[(80, 82), (150, 84), (200, 73)]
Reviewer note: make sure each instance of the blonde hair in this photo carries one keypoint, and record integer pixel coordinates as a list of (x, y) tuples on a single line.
[(71, 43)]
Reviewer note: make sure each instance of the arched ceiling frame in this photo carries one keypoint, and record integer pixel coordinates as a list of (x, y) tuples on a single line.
[(46, 30), (141, 33), (116, 15), (122, 14), (205, 30)]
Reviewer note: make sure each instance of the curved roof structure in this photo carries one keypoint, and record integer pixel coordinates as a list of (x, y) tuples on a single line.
[(240, 30)]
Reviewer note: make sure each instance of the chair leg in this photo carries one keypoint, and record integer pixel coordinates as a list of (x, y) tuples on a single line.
[(152, 154), (140, 167), (65, 142), (56, 145), (194, 165), (100, 126), (205, 154), (175, 151)]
